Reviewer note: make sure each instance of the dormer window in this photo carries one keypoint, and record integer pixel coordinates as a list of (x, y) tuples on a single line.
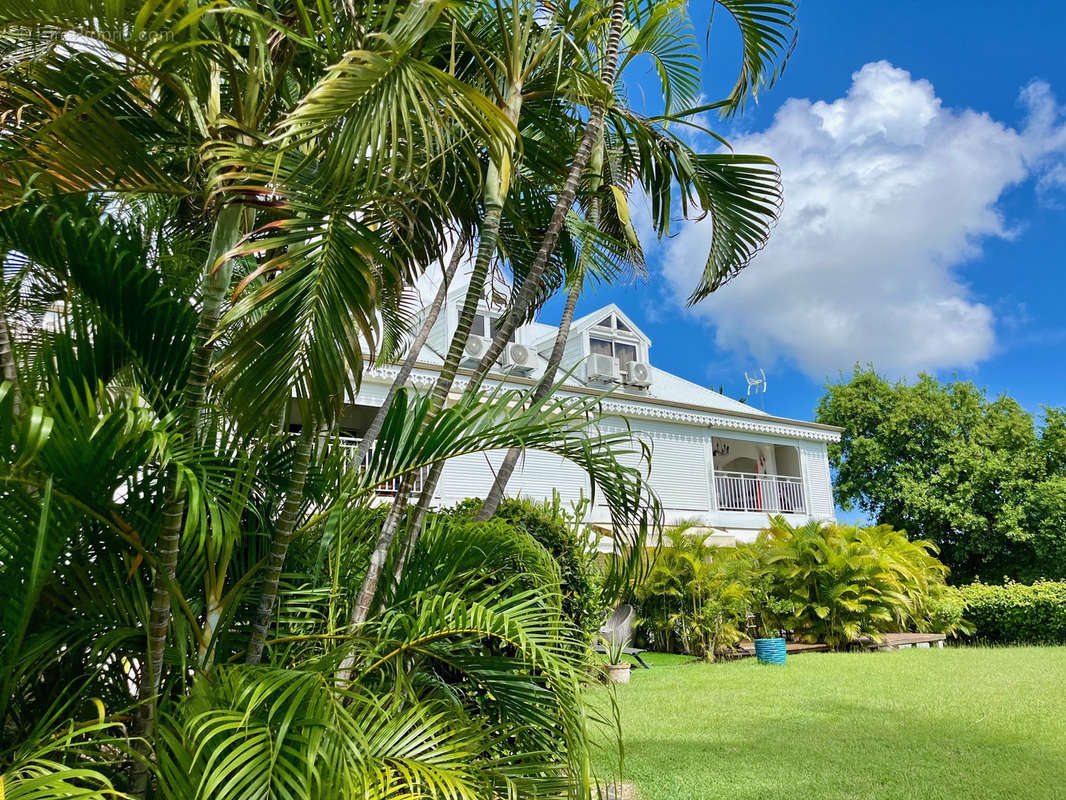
[(613, 323), (625, 352), (613, 337), (487, 325)]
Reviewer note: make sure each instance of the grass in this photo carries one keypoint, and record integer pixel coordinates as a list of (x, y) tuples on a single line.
[(964, 723)]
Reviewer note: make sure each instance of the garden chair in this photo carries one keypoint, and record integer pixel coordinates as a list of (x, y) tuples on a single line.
[(619, 628)]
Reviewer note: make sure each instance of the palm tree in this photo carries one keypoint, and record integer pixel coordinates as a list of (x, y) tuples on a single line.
[(225, 83), (525, 40), (86, 467), (741, 192), (530, 287), (220, 208)]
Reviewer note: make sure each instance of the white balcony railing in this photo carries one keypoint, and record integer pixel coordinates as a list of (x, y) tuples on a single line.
[(349, 445), (772, 494)]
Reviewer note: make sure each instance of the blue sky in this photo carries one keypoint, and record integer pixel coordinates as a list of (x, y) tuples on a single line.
[(923, 151)]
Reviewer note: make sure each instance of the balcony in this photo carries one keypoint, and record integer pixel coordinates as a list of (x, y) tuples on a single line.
[(769, 494), (349, 446)]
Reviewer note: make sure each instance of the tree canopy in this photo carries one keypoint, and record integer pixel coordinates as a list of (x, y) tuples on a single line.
[(981, 477)]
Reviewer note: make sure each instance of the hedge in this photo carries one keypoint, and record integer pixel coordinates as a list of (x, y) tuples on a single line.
[(1016, 613)]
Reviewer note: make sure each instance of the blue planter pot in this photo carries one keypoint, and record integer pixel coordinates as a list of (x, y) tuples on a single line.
[(770, 651)]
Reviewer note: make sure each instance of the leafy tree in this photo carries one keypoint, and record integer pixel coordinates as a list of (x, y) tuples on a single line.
[(979, 477)]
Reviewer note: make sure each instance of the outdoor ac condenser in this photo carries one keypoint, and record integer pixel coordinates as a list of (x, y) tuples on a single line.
[(518, 357), (476, 347), (603, 369), (638, 374)]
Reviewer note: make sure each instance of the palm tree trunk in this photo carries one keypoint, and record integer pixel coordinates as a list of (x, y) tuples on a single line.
[(216, 283), (593, 131), (496, 188), (510, 461), (414, 528), (7, 364), (555, 358), (279, 546), (490, 230), (563, 204), (372, 431)]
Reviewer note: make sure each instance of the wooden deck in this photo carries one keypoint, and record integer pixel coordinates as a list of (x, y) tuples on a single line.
[(890, 641), (791, 648)]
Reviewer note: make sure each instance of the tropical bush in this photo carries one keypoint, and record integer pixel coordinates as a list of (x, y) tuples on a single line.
[(1016, 613), (694, 600), (844, 582), (560, 531), (821, 582), (944, 612)]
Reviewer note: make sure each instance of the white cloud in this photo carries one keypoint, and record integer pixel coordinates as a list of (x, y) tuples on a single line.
[(887, 193)]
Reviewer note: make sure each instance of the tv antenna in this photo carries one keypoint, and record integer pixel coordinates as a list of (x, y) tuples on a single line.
[(757, 384)]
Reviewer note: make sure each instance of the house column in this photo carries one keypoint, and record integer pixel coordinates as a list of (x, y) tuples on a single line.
[(708, 454)]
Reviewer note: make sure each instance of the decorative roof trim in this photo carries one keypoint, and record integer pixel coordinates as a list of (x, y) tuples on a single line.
[(646, 408), (718, 421)]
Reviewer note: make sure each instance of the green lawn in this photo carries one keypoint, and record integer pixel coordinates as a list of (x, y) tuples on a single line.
[(959, 723)]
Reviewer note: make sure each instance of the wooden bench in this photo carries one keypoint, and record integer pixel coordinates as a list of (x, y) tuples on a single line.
[(904, 641)]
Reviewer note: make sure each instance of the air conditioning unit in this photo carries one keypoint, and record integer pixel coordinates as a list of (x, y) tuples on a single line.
[(603, 369), (518, 357), (638, 374), (476, 347)]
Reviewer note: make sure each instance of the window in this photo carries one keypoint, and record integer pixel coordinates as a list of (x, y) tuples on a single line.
[(601, 347), (613, 323), (625, 353), (487, 326)]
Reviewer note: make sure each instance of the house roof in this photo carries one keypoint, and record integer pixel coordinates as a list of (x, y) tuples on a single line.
[(670, 387), (665, 387)]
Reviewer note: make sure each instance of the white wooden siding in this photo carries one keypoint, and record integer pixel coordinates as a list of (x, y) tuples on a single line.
[(439, 334), (573, 354), (680, 471), (539, 473), (536, 476)]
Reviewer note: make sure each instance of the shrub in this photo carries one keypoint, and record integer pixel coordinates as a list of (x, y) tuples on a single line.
[(826, 583), (561, 533), (945, 612), (693, 600), (845, 582), (1015, 613)]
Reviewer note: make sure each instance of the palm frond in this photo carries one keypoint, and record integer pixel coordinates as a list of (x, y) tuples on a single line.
[(768, 36), (107, 262)]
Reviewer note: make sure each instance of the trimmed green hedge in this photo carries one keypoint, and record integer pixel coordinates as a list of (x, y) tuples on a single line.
[(1016, 613)]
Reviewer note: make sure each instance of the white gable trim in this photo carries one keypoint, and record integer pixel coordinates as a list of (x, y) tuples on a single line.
[(583, 325)]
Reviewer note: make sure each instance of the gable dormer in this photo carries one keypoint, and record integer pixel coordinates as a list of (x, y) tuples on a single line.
[(615, 335), (485, 322), (606, 347)]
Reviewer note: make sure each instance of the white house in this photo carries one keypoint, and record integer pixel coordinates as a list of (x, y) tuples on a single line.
[(714, 459)]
